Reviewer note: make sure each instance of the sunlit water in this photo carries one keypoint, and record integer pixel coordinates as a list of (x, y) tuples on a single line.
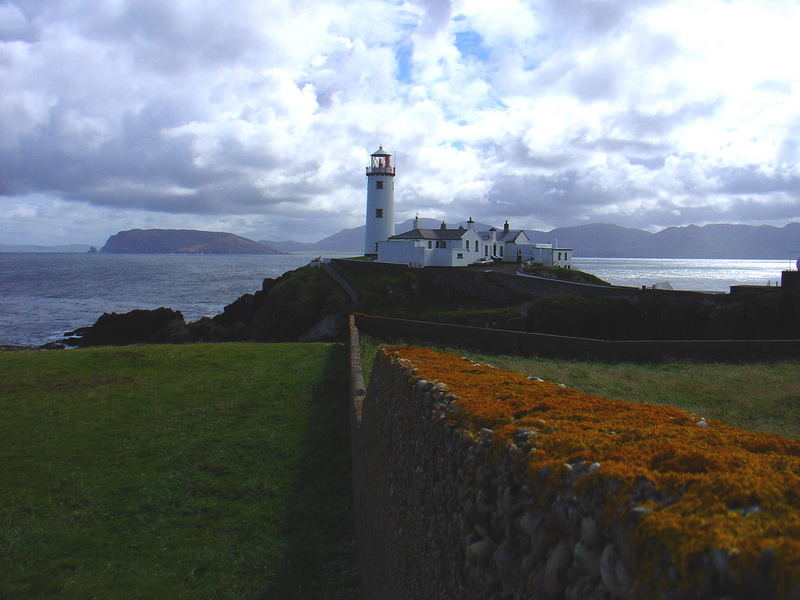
[(44, 295), (698, 274)]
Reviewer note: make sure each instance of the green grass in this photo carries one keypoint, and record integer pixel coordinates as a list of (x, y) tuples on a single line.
[(197, 471), (564, 273), (408, 294), (761, 397)]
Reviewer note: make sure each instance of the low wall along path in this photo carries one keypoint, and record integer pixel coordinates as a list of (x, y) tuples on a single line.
[(472, 482)]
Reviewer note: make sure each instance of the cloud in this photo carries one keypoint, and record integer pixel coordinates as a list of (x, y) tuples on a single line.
[(261, 116)]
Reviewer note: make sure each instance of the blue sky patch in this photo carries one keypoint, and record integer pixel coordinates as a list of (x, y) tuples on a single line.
[(470, 44), (403, 58)]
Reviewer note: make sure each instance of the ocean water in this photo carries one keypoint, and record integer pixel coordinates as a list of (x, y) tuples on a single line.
[(696, 274), (42, 296)]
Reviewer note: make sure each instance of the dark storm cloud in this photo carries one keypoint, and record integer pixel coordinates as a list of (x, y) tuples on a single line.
[(624, 147), (753, 180), (598, 81), (573, 18), (643, 123), (559, 194)]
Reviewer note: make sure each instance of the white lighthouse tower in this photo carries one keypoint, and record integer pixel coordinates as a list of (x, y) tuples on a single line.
[(380, 200)]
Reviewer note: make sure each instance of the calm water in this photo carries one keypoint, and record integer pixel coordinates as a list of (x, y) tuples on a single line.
[(697, 274), (44, 295)]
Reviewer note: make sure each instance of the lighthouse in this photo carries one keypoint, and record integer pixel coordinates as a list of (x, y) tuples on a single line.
[(380, 200)]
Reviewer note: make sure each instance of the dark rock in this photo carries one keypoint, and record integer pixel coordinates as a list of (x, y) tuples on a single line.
[(240, 310), (51, 346), (134, 327)]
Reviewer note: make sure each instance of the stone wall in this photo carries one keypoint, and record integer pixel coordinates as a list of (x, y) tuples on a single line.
[(476, 483)]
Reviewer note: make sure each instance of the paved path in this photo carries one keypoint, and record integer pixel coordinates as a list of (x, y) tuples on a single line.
[(354, 297)]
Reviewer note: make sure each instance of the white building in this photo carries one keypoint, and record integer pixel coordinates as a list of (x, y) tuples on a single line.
[(442, 247), (464, 246)]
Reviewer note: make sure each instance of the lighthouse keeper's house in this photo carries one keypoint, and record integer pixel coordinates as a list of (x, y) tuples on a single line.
[(463, 246)]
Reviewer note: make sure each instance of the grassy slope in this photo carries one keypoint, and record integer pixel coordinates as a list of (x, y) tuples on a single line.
[(409, 295), (176, 472), (758, 397), (565, 274)]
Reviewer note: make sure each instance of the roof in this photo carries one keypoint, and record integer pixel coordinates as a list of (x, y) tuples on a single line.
[(507, 236), (431, 234), (380, 152), (502, 236)]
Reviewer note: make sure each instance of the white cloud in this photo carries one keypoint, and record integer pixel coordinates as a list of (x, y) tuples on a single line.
[(260, 116)]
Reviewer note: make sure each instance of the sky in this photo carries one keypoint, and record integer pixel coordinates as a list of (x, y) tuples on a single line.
[(258, 117)]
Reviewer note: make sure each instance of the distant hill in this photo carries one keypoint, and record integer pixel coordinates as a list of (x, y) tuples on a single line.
[(182, 241), (710, 241), (352, 240), (613, 241)]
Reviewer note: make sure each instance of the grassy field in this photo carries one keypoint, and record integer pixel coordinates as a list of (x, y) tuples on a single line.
[(197, 471), (759, 397)]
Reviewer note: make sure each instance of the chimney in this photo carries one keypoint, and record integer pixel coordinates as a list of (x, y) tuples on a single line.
[(505, 227), (443, 226), (416, 221)]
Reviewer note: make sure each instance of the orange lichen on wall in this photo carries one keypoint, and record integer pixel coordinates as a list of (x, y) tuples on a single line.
[(713, 487)]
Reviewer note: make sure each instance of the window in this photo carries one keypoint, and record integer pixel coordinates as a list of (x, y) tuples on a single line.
[(379, 185), (476, 245), (501, 251), (430, 244), (486, 250), (559, 256), (460, 255), (378, 213)]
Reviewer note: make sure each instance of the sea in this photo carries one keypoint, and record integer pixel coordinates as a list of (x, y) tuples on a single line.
[(44, 295)]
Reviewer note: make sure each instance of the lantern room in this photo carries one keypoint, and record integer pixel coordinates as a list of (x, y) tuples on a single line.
[(380, 163)]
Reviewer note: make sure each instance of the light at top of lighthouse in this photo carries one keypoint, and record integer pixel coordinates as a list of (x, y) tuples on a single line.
[(380, 163)]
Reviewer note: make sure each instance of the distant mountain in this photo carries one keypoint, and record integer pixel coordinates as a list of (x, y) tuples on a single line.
[(710, 241), (182, 241), (598, 239), (613, 241), (352, 240), (75, 248)]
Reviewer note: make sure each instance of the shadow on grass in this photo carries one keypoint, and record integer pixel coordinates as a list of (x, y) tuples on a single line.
[(320, 559)]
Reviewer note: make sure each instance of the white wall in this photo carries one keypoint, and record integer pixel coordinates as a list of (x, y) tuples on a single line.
[(379, 228), (417, 253), (402, 252), (562, 257)]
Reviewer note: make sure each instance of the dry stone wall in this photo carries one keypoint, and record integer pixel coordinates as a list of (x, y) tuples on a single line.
[(472, 482)]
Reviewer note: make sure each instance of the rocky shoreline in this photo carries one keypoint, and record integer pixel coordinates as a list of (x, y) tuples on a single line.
[(311, 303)]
